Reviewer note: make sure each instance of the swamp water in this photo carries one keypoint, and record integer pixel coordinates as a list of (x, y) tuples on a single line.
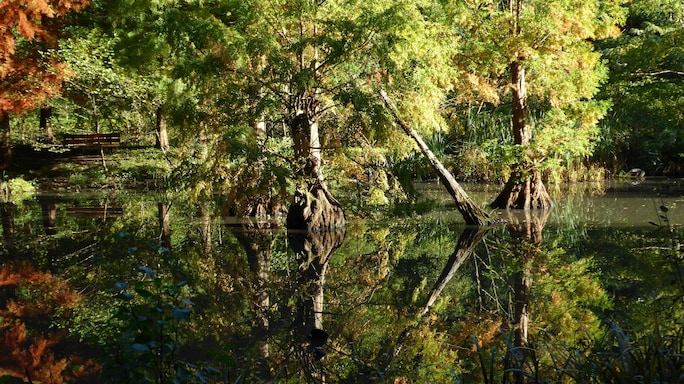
[(133, 288)]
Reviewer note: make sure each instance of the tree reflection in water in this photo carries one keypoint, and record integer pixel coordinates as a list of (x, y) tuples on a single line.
[(257, 240), (469, 239), (7, 213), (526, 232), (312, 253), (304, 346), (399, 298)]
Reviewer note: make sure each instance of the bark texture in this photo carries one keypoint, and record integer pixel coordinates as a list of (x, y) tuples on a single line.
[(313, 208), (472, 214), (522, 190), (523, 193)]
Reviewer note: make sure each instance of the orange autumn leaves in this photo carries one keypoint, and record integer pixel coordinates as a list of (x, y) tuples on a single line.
[(29, 71), (32, 348)]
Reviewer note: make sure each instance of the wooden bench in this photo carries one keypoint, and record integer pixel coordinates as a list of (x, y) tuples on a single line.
[(94, 140)]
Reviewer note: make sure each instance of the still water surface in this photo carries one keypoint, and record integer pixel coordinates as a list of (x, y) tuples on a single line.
[(130, 287)]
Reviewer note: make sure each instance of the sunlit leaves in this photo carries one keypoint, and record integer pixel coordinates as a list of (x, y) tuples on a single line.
[(101, 89), (553, 41), (29, 72), (567, 134)]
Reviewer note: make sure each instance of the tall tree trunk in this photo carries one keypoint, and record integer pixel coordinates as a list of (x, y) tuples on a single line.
[(46, 124), (525, 188), (472, 214), (521, 132), (162, 134), (5, 142), (313, 208)]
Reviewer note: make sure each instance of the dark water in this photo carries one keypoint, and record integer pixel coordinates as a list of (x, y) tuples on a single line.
[(128, 288)]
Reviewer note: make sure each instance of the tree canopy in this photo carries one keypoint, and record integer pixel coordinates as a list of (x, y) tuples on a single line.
[(29, 69), (502, 90)]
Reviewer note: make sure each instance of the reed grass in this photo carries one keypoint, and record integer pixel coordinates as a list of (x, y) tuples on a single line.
[(614, 358)]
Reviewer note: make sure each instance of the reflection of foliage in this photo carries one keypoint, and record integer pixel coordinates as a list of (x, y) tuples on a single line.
[(152, 318), (610, 358), (375, 288), (15, 190), (618, 359), (564, 301), (573, 295), (35, 299)]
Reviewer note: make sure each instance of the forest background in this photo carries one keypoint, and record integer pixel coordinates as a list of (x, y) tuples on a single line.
[(252, 100), (259, 105)]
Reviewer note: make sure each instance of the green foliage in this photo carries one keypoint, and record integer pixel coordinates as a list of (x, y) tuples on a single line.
[(240, 172), (101, 94), (376, 286), (563, 73), (151, 318), (16, 189), (644, 130), (141, 169)]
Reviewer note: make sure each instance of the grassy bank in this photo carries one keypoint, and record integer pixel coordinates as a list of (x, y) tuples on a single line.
[(75, 170)]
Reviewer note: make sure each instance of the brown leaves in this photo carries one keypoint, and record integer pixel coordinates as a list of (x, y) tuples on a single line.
[(27, 77), (33, 356), (34, 298)]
